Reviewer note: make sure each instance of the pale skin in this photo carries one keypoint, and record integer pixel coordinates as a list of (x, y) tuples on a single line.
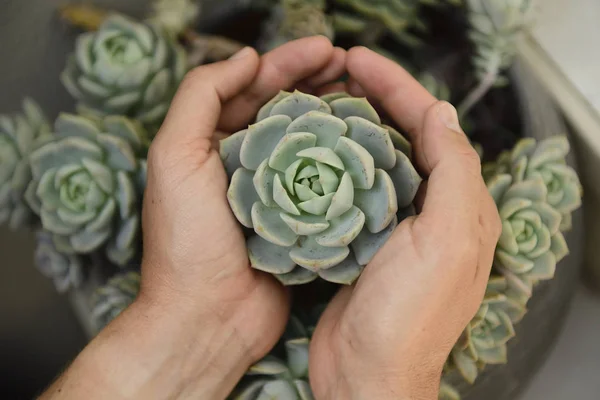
[(204, 316)]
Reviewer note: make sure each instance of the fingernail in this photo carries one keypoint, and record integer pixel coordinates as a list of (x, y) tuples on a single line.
[(448, 116), (246, 51)]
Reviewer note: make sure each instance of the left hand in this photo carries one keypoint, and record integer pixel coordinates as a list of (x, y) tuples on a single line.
[(203, 315)]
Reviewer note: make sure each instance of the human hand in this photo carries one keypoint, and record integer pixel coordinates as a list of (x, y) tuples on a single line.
[(388, 336), (203, 316)]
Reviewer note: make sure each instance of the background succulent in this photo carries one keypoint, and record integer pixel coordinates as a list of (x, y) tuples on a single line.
[(484, 339), (125, 68), (531, 243), (19, 134), (546, 161), (315, 177), (295, 19), (66, 271), (115, 296), (174, 16), (87, 183), (282, 375)]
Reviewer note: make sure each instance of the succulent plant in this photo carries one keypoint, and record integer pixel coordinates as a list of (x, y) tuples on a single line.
[(437, 88), (125, 68), (448, 392), (115, 296), (66, 270), (295, 19), (484, 340), (174, 16), (315, 177), (19, 135), (531, 243), (282, 378), (87, 183), (545, 160)]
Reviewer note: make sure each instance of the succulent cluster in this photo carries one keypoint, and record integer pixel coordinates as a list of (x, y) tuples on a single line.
[(115, 296), (125, 68), (19, 135), (65, 270), (322, 182)]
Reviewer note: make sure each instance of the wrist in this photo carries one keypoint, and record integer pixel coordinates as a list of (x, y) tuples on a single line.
[(166, 350)]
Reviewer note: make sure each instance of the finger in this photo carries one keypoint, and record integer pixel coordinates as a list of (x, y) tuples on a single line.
[(332, 88), (451, 207), (195, 110), (279, 69), (394, 88), (420, 197), (332, 71), (490, 228)]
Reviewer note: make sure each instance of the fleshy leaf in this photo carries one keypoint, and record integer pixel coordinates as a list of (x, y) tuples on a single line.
[(559, 246), (357, 161), (323, 155), (304, 193), (305, 225), (242, 196), (343, 198), (326, 127), (265, 111), (367, 244), (405, 178), (317, 205), (309, 254), (297, 356), (290, 175), (399, 141), (518, 264), (269, 257), (299, 104), (261, 139), (299, 276), (263, 183), (229, 150), (282, 198), (285, 152), (354, 107), (69, 125), (345, 273), (375, 139), (342, 230), (327, 178), (269, 225), (379, 204)]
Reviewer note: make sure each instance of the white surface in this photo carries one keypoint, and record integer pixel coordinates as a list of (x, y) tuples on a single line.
[(573, 370), (569, 30)]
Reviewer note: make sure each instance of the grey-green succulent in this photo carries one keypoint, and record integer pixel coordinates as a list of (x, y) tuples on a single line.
[(546, 161), (448, 392), (19, 135), (116, 295), (87, 184), (125, 68), (531, 243), (484, 339), (295, 19), (65, 270), (281, 378), (322, 182)]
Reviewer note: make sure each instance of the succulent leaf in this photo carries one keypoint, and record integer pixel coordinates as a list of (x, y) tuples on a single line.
[(115, 296)]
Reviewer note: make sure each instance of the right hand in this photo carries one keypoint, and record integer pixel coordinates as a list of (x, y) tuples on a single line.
[(388, 336)]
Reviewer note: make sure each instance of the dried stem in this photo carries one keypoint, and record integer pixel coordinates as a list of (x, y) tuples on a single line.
[(478, 93), (84, 16)]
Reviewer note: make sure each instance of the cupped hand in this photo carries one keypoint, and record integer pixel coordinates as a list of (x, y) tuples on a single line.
[(388, 336), (195, 262)]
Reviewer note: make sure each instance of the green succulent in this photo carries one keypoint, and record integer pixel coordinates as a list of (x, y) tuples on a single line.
[(66, 270), (125, 68), (315, 178), (87, 183), (545, 160), (531, 243), (295, 19), (448, 392), (19, 135), (484, 339), (281, 377), (115, 296)]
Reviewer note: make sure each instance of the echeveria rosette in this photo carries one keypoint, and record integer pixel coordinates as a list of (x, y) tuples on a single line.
[(282, 375), (125, 68), (531, 243), (484, 340), (87, 183), (19, 135), (322, 183), (65, 270), (545, 160), (115, 296)]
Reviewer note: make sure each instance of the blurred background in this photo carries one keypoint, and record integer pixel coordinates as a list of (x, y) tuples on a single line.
[(41, 331)]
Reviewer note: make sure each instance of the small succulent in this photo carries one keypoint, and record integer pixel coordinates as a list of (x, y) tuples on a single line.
[(295, 19), (66, 270), (448, 392), (115, 296), (545, 160), (87, 183), (315, 177), (437, 88), (484, 340), (19, 135), (282, 377), (174, 16), (531, 243), (125, 68)]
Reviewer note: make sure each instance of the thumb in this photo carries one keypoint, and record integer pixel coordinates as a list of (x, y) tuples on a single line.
[(196, 108)]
